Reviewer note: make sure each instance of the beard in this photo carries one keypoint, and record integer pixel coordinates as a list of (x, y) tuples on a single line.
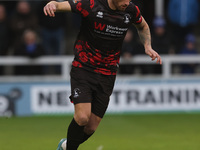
[(122, 8), (119, 7)]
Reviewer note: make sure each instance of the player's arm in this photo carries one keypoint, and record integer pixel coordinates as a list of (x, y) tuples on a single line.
[(145, 37), (54, 6)]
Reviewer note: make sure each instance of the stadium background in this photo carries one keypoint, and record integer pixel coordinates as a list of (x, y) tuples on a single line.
[(148, 110)]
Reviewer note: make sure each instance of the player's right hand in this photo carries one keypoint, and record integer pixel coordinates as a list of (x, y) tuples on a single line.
[(50, 9), (153, 54)]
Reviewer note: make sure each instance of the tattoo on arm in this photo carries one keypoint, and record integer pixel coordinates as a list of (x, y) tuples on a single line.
[(145, 35)]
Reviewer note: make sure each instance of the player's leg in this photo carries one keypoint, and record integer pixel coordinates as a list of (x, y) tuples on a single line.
[(99, 106), (84, 93), (82, 126), (99, 103), (76, 134), (81, 96), (82, 113), (91, 127)]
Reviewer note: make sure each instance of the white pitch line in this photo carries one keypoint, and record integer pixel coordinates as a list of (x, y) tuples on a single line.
[(100, 147)]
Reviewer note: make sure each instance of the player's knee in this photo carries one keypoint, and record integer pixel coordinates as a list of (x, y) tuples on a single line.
[(82, 119)]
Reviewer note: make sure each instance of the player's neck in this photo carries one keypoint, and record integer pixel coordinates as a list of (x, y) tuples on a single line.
[(111, 5)]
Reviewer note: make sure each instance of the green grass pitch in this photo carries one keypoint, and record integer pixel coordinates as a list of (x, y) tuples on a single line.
[(116, 132)]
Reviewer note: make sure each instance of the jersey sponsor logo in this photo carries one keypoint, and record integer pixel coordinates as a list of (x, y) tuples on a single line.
[(99, 14), (99, 26)]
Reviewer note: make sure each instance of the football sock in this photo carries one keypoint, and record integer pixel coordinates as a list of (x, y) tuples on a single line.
[(75, 135), (86, 136)]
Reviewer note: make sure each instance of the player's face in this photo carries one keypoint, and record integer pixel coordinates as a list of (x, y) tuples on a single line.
[(121, 4)]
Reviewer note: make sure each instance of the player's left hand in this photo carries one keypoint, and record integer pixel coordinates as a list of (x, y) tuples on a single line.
[(154, 55)]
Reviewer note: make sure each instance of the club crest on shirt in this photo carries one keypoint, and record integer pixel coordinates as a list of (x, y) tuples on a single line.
[(127, 18)]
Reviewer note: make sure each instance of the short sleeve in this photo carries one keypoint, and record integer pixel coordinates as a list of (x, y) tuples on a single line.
[(137, 17), (80, 6)]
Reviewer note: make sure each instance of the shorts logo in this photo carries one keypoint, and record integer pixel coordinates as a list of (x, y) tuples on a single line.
[(76, 92)]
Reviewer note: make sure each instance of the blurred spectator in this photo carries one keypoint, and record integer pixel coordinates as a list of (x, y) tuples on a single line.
[(131, 47), (4, 31), (29, 47), (183, 16), (160, 38), (127, 47), (52, 30), (23, 18), (127, 52), (9, 5), (189, 49), (160, 42), (4, 38)]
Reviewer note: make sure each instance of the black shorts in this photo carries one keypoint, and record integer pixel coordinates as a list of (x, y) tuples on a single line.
[(90, 87)]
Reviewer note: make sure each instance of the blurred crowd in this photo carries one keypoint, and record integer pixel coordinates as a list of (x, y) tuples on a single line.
[(26, 31), (174, 33)]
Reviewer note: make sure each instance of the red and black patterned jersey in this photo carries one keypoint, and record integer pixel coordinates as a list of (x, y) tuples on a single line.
[(101, 35)]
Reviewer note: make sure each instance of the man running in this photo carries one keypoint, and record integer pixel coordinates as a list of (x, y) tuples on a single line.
[(97, 52)]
